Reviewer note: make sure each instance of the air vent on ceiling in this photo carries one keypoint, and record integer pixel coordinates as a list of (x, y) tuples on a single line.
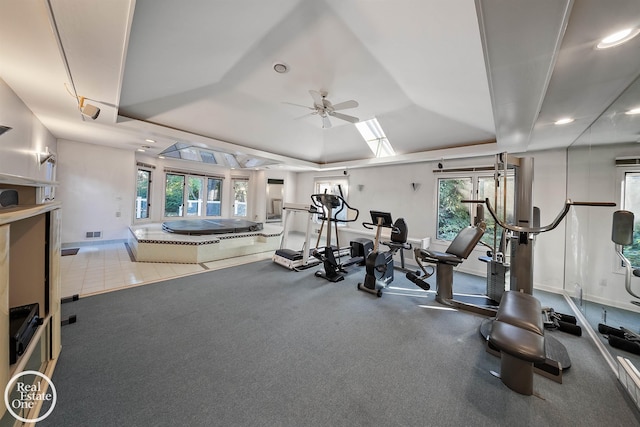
[(627, 161)]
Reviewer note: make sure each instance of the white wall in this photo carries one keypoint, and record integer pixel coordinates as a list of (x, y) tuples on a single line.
[(97, 187), (389, 188), (19, 146)]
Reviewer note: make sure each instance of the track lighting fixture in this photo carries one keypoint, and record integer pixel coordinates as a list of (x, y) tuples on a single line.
[(88, 109)]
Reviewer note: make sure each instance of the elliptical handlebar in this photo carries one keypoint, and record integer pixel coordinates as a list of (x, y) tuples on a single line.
[(519, 229), (327, 202)]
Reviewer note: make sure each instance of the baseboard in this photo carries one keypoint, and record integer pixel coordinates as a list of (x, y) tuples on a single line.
[(92, 243)]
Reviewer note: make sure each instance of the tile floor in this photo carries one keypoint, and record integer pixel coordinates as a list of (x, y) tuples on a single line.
[(107, 267)]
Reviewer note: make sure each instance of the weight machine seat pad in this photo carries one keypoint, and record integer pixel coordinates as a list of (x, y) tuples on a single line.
[(438, 257), (521, 310), (519, 343), (465, 241)]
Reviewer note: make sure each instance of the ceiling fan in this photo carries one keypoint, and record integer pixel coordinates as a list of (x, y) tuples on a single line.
[(324, 108)]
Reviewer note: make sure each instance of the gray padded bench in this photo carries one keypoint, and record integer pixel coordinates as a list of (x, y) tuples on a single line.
[(518, 333)]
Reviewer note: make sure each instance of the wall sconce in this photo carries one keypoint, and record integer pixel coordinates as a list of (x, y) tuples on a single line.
[(88, 109), (46, 157), (415, 186)]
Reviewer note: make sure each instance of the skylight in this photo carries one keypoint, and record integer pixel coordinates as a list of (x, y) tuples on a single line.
[(374, 137), (186, 151)]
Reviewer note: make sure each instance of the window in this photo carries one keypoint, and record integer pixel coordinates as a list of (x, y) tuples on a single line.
[(454, 215), (375, 138), (200, 194), (631, 202), (173, 195), (337, 186), (487, 190), (240, 194), (194, 196), (214, 196), (143, 185)]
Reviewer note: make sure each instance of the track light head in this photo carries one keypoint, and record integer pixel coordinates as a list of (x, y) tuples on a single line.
[(88, 109)]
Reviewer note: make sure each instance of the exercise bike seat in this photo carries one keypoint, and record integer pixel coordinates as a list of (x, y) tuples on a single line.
[(398, 236)]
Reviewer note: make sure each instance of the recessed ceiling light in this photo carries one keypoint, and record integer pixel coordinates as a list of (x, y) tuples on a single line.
[(633, 111), (618, 38), (563, 121), (280, 67), (150, 140), (141, 150)]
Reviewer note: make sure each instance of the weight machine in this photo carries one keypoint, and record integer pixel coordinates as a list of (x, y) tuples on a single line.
[(522, 235)]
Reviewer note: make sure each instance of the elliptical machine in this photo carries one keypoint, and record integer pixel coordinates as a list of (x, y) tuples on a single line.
[(379, 265), (330, 206)]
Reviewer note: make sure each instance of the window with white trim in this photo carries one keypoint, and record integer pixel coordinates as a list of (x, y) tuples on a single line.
[(143, 193), (192, 195), (479, 184), (337, 186), (631, 202)]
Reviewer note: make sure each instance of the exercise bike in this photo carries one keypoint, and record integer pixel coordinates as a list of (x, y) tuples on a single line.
[(330, 206), (379, 265)]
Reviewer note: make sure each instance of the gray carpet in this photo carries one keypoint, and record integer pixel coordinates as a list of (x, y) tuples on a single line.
[(259, 345)]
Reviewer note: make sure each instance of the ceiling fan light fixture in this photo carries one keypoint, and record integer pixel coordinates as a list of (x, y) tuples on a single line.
[(280, 67), (618, 38)]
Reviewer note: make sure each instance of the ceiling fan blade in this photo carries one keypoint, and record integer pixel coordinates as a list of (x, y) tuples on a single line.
[(298, 105), (326, 123), (317, 98), (313, 113), (345, 117), (346, 104)]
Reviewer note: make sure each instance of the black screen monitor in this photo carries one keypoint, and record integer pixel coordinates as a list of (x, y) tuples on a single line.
[(385, 216)]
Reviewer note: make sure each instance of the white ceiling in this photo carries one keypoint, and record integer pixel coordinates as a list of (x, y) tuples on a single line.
[(437, 74)]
